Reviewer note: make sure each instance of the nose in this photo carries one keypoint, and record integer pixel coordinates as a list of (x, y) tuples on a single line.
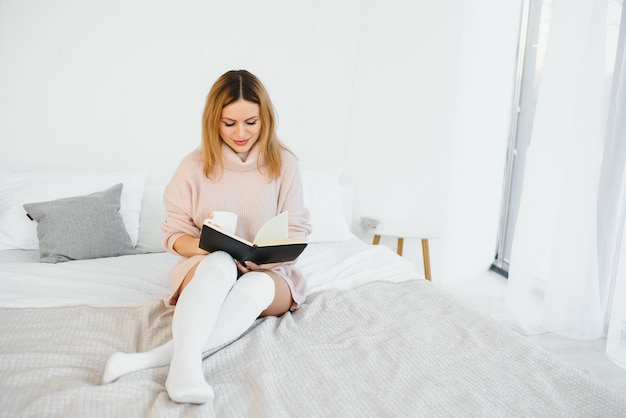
[(241, 131)]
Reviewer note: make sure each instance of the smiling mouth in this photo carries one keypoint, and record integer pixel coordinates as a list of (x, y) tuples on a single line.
[(242, 142)]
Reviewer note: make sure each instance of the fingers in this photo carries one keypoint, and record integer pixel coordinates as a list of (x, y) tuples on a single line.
[(251, 266), (247, 266), (243, 269)]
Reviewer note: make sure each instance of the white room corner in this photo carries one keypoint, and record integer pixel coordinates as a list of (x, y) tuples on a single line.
[(450, 179)]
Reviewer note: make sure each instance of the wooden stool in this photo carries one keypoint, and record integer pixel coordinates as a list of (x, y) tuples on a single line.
[(399, 229)]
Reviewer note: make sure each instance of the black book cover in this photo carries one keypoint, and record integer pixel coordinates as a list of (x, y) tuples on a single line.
[(214, 239)]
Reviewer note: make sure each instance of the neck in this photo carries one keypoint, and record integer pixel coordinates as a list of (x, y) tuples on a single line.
[(243, 156)]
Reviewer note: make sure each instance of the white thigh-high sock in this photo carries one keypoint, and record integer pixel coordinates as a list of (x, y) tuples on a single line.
[(250, 296), (194, 317)]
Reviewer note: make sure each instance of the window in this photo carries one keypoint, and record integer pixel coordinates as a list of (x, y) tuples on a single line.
[(534, 35)]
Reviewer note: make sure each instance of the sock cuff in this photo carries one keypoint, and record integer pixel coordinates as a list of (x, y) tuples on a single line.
[(258, 286)]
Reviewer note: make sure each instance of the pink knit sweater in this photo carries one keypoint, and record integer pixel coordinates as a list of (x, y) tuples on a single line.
[(190, 197)]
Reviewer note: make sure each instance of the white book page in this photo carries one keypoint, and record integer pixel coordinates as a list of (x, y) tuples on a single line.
[(276, 228)]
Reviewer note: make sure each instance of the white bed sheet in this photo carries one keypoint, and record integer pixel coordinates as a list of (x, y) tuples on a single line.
[(138, 280), (133, 280)]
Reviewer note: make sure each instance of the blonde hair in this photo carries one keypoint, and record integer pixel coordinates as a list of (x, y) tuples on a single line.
[(232, 86)]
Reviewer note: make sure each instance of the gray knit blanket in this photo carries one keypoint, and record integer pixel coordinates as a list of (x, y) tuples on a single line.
[(380, 350)]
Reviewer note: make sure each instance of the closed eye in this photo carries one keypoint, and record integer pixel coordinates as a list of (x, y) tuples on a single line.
[(230, 123)]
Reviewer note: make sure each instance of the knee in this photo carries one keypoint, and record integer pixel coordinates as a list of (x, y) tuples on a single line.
[(221, 261)]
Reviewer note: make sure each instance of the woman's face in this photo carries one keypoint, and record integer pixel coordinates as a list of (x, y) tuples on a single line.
[(240, 125)]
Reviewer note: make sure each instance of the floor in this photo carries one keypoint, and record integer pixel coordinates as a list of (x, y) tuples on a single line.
[(486, 293)]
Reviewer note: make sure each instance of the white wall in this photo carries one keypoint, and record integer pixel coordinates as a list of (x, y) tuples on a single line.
[(411, 97)]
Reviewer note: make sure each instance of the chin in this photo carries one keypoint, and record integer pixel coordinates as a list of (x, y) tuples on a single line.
[(242, 149)]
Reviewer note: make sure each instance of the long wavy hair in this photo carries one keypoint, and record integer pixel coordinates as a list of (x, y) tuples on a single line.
[(232, 86)]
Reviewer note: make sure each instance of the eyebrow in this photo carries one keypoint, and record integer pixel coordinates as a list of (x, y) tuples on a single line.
[(235, 120)]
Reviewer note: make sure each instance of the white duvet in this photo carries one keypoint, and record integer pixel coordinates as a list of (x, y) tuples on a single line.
[(138, 280)]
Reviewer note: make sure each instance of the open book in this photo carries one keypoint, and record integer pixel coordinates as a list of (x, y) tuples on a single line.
[(271, 244)]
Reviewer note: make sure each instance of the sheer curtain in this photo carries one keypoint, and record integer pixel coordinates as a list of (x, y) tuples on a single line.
[(612, 208), (567, 270)]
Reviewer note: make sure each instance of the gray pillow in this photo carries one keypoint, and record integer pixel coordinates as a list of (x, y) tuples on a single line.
[(82, 227)]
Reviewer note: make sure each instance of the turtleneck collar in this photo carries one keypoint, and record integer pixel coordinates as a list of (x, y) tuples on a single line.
[(232, 160)]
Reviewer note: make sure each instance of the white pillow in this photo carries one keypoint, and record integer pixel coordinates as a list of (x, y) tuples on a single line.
[(16, 189), (323, 196), (152, 216)]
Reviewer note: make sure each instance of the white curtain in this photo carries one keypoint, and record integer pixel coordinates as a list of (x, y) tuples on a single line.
[(567, 270), (612, 208)]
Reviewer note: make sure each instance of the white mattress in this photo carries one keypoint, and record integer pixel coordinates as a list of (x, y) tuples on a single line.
[(138, 280)]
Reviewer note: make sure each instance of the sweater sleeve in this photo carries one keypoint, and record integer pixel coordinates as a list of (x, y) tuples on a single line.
[(178, 203), (291, 198)]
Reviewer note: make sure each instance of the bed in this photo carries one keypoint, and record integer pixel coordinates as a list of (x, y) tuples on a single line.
[(373, 339)]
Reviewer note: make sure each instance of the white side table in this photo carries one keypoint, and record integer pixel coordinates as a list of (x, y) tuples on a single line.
[(407, 228)]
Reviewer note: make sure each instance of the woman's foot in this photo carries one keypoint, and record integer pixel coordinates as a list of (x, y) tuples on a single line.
[(117, 365), (185, 383)]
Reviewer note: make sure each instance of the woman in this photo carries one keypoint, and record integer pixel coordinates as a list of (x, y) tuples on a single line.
[(241, 167)]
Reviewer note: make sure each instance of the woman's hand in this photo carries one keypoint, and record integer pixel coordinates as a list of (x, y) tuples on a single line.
[(250, 266)]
